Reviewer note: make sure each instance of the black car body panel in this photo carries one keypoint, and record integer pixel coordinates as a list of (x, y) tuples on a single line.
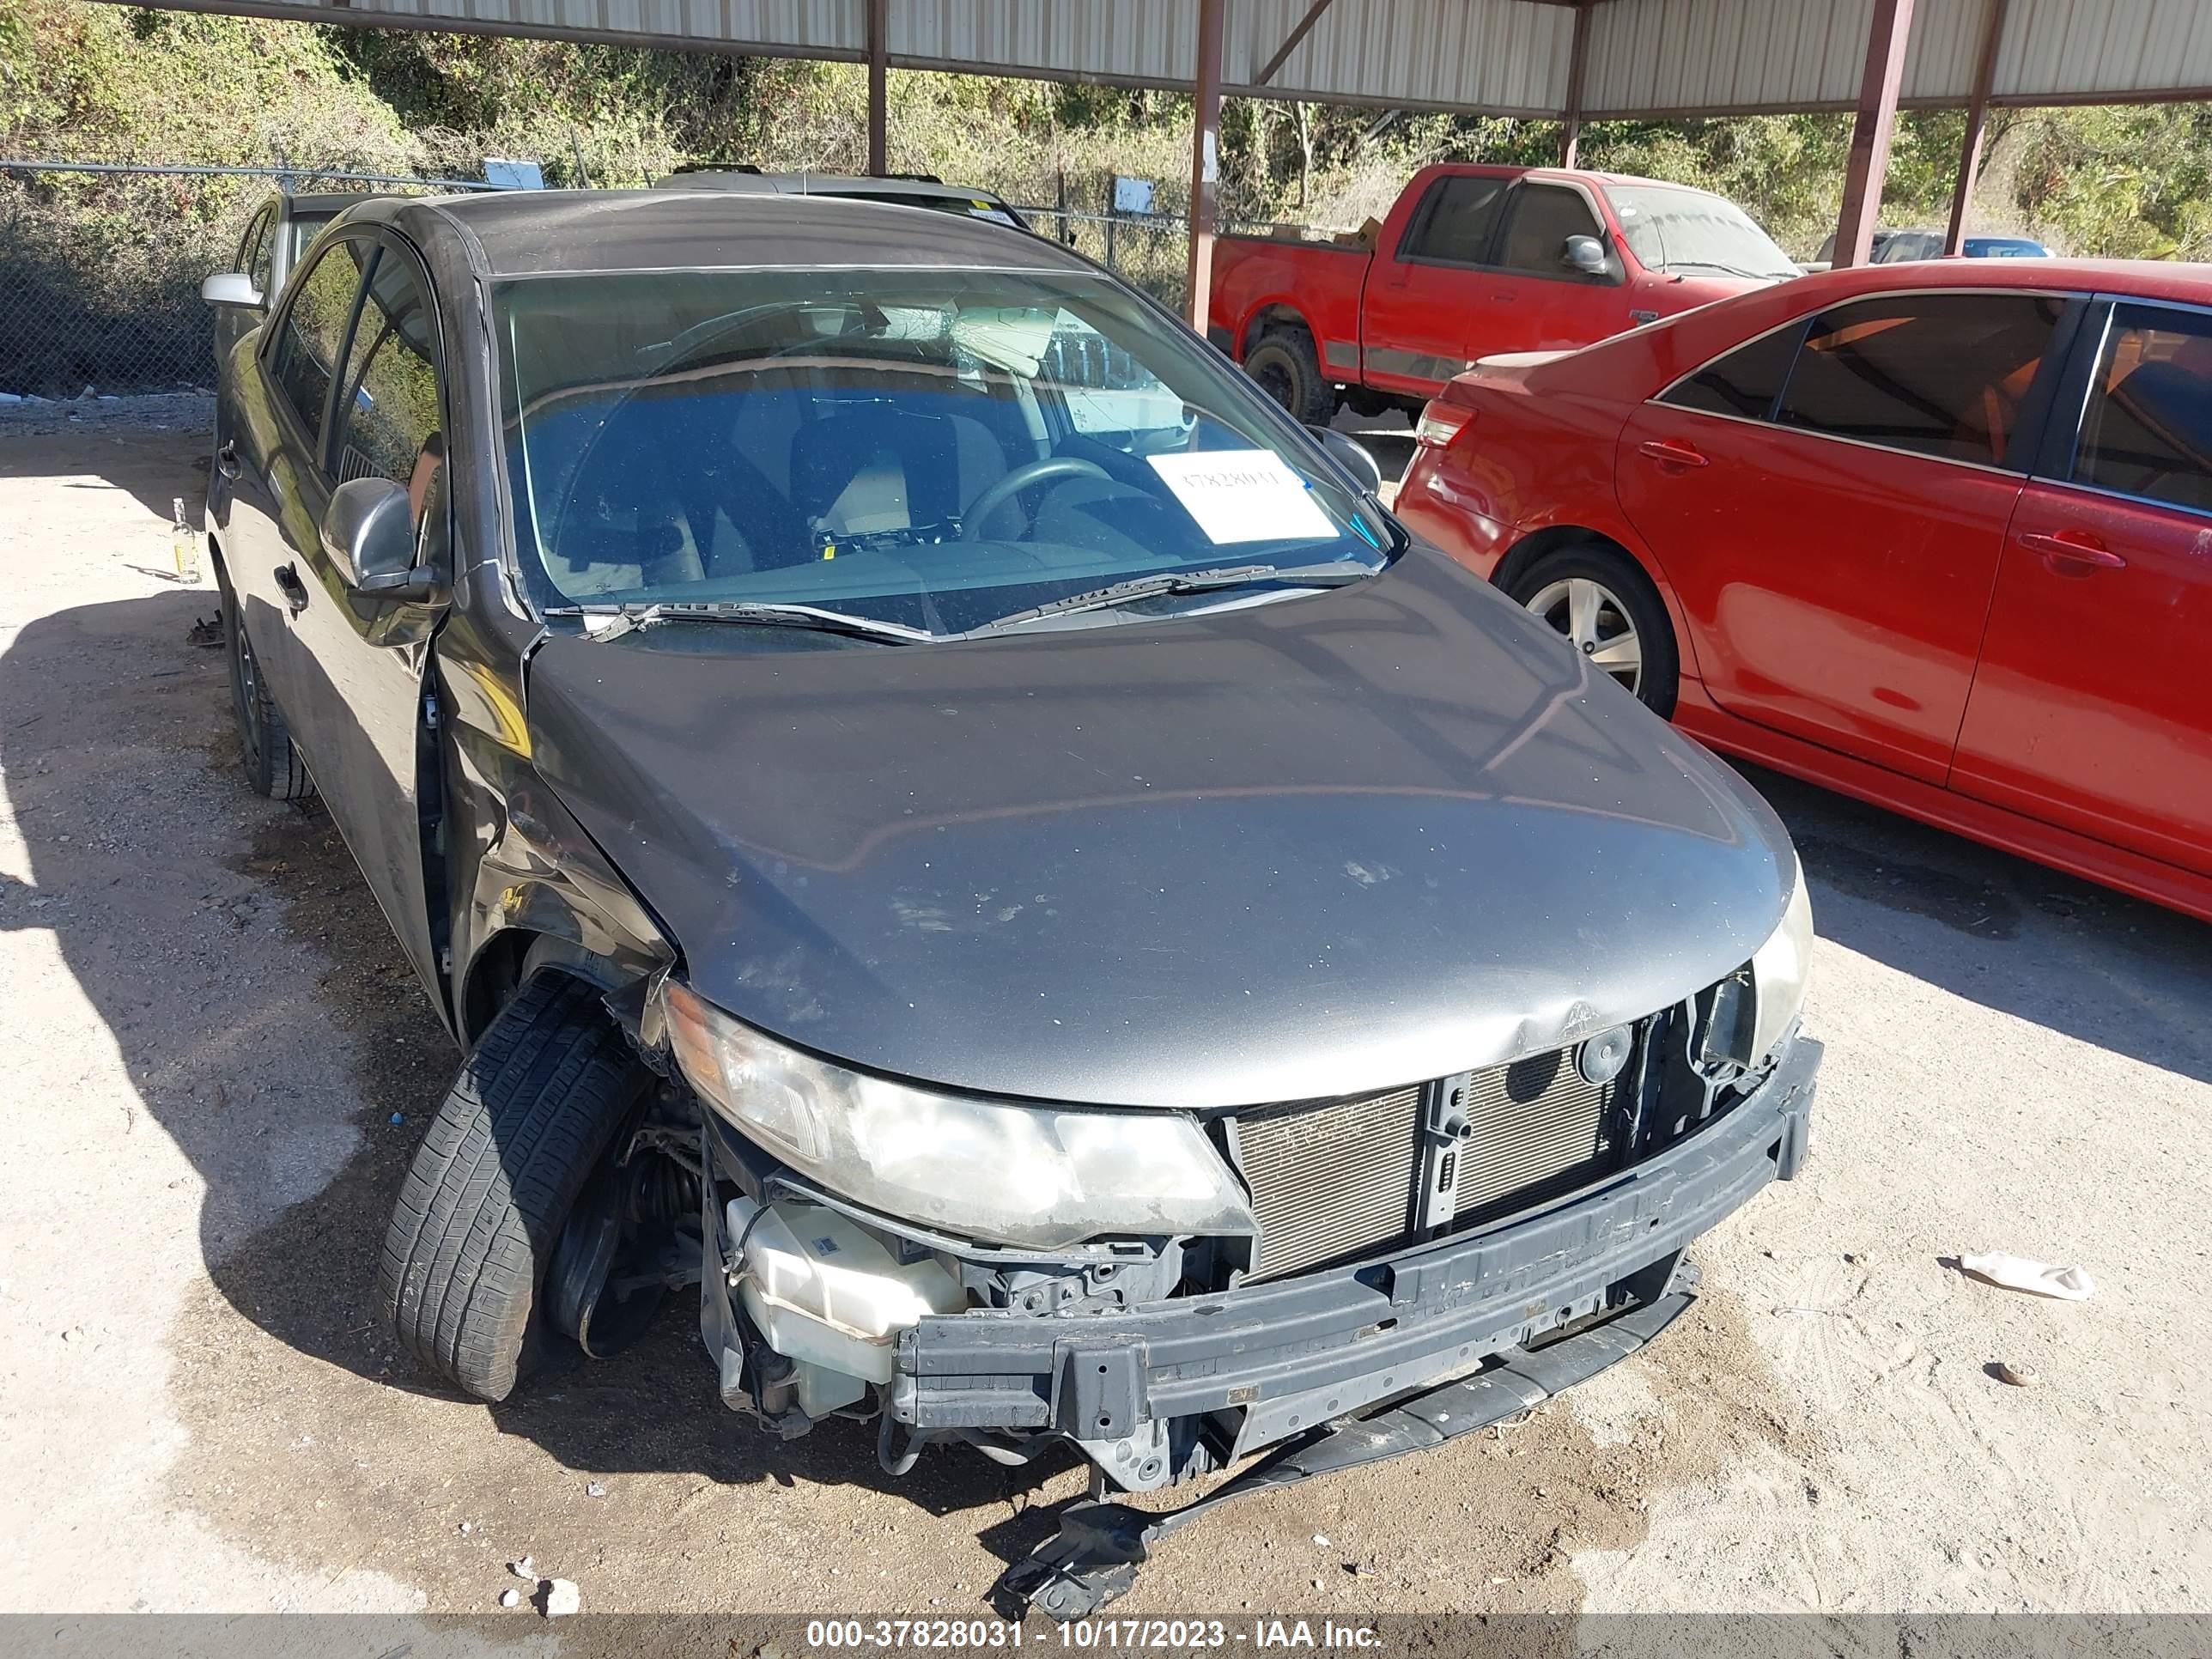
[(1411, 831)]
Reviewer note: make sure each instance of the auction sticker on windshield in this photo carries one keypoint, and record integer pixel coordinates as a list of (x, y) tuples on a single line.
[(1243, 495)]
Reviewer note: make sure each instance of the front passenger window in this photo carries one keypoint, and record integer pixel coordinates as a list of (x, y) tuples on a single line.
[(314, 332)]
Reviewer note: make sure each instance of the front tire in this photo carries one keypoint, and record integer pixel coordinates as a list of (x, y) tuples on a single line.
[(536, 1106), (1596, 598), (273, 765)]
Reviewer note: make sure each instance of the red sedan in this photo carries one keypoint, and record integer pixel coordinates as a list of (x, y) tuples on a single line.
[(1936, 536)]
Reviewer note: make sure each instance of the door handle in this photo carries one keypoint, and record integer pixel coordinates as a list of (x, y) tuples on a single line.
[(2071, 552), (227, 461), (294, 589), (1669, 452)]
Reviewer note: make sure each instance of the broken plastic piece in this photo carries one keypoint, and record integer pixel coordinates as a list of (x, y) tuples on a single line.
[(2017, 1273), (1094, 1557)]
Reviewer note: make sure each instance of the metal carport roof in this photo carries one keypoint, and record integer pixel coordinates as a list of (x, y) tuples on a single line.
[(1649, 59)]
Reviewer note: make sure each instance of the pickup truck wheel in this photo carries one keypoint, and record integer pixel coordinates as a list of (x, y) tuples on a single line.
[(536, 1106), (273, 766), (1284, 362), (1610, 612)]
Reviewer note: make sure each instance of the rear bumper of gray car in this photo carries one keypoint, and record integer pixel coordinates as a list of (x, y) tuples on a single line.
[(1288, 1355)]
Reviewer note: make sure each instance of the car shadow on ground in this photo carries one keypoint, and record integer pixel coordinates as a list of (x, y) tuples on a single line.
[(2062, 953), (306, 1277)]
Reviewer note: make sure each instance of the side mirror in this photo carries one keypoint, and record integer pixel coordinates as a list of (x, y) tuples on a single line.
[(369, 536), (1351, 456), (231, 288), (1586, 254)]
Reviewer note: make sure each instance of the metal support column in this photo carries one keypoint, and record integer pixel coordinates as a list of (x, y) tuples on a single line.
[(1978, 113), (879, 66), (1877, 114), (1570, 130), (1205, 156)]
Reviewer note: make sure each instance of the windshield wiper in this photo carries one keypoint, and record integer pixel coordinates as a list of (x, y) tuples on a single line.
[(1726, 271), (1334, 574), (610, 621)]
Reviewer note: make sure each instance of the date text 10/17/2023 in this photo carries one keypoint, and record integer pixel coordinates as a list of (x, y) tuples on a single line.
[(1092, 1635)]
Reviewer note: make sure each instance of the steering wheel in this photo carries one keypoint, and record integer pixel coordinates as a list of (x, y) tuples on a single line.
[(1022, 477)]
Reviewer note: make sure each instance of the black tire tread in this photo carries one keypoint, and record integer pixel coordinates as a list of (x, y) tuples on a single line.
[(274, 766), (534, 1108), (1313, 399)]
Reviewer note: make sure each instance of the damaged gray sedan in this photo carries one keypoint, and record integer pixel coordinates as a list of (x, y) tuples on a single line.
[(943, 821)]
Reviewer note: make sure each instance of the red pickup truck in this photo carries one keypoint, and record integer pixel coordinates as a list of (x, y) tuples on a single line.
[(1472, 261)]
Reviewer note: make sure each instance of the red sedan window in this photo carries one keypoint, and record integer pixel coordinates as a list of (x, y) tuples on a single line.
[(1940, 374), (1744, 383), (2148, 427)]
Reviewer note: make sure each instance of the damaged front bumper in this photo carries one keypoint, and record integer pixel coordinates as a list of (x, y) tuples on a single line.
[(1347, 1365), (1286, 1355)]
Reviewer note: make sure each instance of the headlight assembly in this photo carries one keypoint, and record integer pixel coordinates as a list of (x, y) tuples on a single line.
[(1779, 967), (1039, 1177)]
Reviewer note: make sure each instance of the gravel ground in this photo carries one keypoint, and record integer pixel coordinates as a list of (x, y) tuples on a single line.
[(211, 1036)]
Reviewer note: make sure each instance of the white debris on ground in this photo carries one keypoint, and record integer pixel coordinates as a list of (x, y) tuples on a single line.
[(562, 1598), (25, 416), (2018, 1272)]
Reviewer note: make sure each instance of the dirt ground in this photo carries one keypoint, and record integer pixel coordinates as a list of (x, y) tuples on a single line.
[(217, 1065)]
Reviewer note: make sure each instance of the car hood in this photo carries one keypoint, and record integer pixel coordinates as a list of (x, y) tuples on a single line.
[(1271, 851)]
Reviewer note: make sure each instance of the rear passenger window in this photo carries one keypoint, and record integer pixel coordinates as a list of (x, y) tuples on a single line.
[(1455, 222), (1745, 382), (315, 331), (1543, 216), (2147, 430), (1940, 374)]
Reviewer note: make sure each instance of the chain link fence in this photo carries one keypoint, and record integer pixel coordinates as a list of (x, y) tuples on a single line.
[(101, 262)]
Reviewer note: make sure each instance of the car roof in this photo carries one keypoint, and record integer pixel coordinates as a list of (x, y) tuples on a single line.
[(746, 181), (2145, 278), (529, 232), (1581, 175)]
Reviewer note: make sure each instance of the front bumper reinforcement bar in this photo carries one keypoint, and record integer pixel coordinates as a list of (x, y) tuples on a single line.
[(1094, 1557)]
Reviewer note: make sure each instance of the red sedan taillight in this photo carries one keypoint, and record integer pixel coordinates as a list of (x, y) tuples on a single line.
[(1449, 414)]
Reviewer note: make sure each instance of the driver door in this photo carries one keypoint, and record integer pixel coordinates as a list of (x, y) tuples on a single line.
[(1538, 301), (361, 659)]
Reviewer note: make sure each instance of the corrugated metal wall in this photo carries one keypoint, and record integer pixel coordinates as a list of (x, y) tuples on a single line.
[(1146, 40), (2074, 48), (1651, 58), (1503, 56)]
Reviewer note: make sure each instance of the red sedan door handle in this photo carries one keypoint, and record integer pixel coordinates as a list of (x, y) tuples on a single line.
[(1669, 452), (2072, 552)]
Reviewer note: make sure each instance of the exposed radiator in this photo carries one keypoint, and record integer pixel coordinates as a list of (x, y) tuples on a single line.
[(1339, 1180), (1539, 1130), (1330, 1179)]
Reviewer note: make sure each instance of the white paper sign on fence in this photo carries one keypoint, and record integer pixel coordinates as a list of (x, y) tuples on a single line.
[(1243, 495)]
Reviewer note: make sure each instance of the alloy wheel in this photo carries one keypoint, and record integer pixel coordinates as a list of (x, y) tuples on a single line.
[(1592, 618)]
